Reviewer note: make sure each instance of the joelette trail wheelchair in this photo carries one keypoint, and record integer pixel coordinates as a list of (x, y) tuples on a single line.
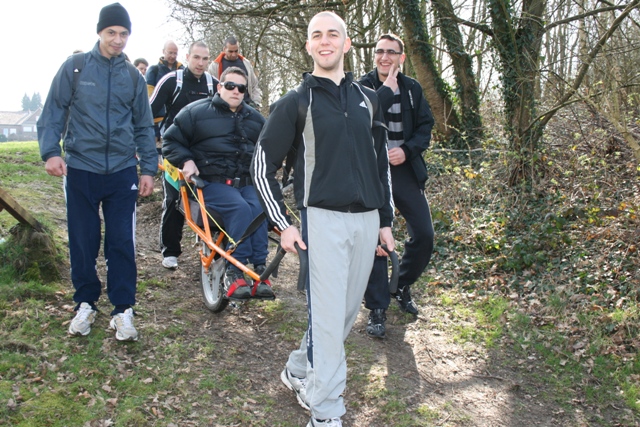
[(209, 229)]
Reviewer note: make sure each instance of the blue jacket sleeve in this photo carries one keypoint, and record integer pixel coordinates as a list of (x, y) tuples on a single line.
[(53, 119), (152, 75)]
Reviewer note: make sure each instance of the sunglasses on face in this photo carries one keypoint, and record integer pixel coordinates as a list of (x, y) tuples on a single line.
[(232, 86)]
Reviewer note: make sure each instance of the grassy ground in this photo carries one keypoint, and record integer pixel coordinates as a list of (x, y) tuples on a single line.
[(540, 286)]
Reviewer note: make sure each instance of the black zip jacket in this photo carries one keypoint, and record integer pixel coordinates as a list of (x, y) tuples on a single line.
[(193, 89), (341, 163), (417, 120), (218, 140)]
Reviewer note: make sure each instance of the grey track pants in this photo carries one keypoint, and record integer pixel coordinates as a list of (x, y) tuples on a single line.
[(341, 250)]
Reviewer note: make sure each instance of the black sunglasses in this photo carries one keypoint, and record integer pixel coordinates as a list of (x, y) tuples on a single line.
[(232, 86)]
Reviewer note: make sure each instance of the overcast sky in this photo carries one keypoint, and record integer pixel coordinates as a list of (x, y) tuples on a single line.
[(39, 35)]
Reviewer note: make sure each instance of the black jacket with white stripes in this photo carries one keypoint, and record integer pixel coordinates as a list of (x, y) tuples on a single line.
[(341, 163)]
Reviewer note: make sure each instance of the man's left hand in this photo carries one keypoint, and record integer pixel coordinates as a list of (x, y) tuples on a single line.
[(386, 238), (145, 186), (397, 156)]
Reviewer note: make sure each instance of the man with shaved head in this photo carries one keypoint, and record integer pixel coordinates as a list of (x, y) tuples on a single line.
[(168, 62), (343, 192)]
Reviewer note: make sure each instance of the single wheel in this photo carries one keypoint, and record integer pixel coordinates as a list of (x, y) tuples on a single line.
[(213, 283)]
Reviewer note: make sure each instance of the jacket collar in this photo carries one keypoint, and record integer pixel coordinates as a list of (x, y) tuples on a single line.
[(221, 56), (189, 75), (221, 104), (166, 64), (95, 52), (311, 80)]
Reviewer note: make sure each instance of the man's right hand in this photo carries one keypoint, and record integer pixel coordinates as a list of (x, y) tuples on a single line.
[(55, 166), (289, 237), (392, 79), (189, 169)]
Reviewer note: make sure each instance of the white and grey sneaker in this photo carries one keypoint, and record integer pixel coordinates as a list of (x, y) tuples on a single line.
[(81, 324), (170, 262), (297, 385), (123, 325), (333, 422)]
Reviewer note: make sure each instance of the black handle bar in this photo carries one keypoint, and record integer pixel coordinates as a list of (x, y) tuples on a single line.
[(395, 273)]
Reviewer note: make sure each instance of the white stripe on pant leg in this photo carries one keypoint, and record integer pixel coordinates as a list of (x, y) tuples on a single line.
[(328, 270)]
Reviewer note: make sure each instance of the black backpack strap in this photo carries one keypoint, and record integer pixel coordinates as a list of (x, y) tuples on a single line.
[(135, 75), (78, 65), (176, 93), (303, 106), (209, 78)]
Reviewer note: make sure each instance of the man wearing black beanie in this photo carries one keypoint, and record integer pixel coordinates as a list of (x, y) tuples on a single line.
[(101, 109), (114, 14)]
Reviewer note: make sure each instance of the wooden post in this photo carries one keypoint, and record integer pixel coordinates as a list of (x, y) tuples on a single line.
[(11, 205)]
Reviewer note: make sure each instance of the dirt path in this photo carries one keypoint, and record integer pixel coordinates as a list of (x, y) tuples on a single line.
[(418, 374)]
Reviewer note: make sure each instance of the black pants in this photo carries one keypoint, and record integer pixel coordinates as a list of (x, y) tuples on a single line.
[(409, 198), (172, 222)]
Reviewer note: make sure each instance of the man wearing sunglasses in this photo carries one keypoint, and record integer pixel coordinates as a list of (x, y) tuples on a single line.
[(409, 119), (215, 139)]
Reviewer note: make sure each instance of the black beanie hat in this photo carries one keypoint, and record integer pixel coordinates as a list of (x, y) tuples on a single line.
[(114, 14)]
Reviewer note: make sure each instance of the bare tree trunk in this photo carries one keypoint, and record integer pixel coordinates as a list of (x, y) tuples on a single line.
[(467, 89), (583, 50), (519, 51), (417, 41)]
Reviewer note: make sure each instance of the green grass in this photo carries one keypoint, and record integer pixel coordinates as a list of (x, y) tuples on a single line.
[(546, 286), (21, 168), (569, 369)]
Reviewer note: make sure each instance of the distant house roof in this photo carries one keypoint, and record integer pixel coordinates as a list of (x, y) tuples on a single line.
[(17, 118)]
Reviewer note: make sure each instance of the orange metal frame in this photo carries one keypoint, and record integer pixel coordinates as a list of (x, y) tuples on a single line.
[(205, 233)]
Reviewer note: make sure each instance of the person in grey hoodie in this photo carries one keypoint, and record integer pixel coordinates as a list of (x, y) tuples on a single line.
[(102, 112)]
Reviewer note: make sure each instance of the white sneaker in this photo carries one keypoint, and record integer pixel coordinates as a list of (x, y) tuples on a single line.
[(297, 385), (170, 262), (333, 422), (123, 324), (81, 324)]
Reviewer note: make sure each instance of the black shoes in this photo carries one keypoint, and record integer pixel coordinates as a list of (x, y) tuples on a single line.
[(263, 288), (237, 288), (375, 325), (403, 296)]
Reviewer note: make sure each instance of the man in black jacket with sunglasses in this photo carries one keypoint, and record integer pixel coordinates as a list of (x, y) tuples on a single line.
[(215, 140)]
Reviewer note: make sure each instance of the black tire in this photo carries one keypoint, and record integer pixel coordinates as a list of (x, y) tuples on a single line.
[(213, 283)]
